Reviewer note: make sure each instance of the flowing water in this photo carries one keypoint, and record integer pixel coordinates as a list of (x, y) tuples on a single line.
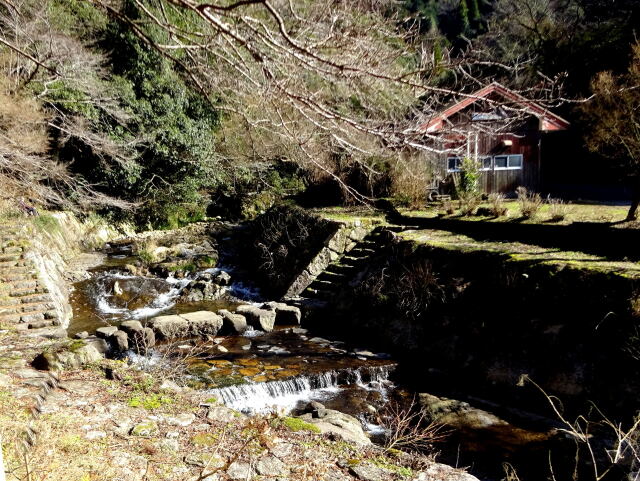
[(284, 369), (255, 372)]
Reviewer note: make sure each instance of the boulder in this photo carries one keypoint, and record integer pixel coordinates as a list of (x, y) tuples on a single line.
[(73, 358), (131, 327), (170, 327), (142, 340), (119, 341), (338, 424), (258, 318), (99, 344), (203, 323), (285, 314), (232, 323)]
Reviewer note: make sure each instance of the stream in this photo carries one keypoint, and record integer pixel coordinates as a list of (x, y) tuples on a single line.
[(283, 370)]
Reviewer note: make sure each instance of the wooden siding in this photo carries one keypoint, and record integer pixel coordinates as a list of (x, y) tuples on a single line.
[(525, 140)]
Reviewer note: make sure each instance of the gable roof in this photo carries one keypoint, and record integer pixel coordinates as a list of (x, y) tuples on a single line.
[(548, 120)]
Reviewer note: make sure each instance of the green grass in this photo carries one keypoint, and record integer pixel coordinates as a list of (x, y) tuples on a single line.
[(517, 251), (576, 212)]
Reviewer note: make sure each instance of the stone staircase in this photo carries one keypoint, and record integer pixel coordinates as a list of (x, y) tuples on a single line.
[(346, 268), (24, 300)]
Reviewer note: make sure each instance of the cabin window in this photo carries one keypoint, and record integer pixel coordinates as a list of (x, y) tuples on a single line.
[(503, 162), (485, 162), (454, 164)]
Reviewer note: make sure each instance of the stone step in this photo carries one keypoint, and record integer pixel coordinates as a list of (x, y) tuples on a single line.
[(345, 270), (26, 307), (322, 284), (28, 291), (361, 253), (33, 298), (335, 277), (13, 263), (20, 284), (11, 257), (33, 316), (20, 276)]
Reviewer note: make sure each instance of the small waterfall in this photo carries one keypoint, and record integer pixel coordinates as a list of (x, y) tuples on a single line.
[(284, 395)]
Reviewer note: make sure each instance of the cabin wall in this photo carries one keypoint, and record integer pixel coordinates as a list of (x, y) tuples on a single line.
[(525, 141)]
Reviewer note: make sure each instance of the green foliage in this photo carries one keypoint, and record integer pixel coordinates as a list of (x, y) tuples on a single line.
[(470, 176)]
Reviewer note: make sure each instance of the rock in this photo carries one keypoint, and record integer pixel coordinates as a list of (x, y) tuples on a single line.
[(240, 471), (92, 435), (210, 461), (232, 323), (222, 278), (370, 472), (168, 385), (106, 331), (73, 358), (5, 381), (170, 445), (258, 318), (442, 471), (131, 327), (222, 414), (142, 340), (222, 349), (285, 314), (170, 327), (202, 323), (183, 420), (271, 466), (81, 335), (99, 344), (339, 424), (119, 341), (145, 429)]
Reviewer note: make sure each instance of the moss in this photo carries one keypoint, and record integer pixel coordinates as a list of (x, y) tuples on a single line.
[(385, 463), (150, 402), (211, 400), (204, 439), (47, 223), (146, 428), (297, 424)]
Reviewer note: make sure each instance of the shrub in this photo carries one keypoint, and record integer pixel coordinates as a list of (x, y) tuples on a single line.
[(469, 203), (558, 209), (530, 202), (497, 206)]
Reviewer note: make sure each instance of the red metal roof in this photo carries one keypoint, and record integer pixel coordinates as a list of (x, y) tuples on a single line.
[(548, 120)]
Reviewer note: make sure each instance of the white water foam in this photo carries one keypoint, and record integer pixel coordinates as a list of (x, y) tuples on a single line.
[(282, 396)]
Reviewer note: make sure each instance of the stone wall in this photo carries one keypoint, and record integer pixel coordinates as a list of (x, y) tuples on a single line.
[(52, 241), (343, 240), (479, 323), (284, 249)]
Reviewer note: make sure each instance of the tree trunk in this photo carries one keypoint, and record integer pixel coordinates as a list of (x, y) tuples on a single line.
[(635, 201)]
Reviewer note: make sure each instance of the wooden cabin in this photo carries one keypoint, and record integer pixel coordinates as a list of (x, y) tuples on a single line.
[(499, 128)]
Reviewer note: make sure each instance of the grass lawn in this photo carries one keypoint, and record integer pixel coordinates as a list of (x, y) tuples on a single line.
[(518, 251), (574, 212)]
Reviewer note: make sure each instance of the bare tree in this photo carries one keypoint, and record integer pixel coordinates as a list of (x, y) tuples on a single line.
[(304, 80)]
